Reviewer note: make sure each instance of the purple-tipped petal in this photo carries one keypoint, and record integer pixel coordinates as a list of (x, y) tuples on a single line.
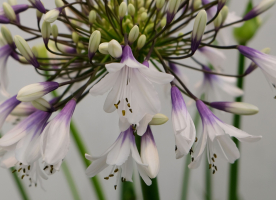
[(38, 5)]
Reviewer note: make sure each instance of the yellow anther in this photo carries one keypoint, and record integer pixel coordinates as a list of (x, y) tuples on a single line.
[(29, 167), (130, 110), (210, 166), (213, 159), (19, 170), (126, 100), (106, 178), (22, 176), (115, 186), (14, 171), (123, 112), (116, 106), (128, 104), (215, 155), (111, 175), (116, 170)]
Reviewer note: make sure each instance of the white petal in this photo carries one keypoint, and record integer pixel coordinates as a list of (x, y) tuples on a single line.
[(143, 174), (123, 124), (156, 76), (8, 160), (96, 167), (143, 124), (127, 169), (114, 67)]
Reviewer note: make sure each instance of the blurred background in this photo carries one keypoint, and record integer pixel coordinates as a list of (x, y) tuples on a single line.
[(99, 130)]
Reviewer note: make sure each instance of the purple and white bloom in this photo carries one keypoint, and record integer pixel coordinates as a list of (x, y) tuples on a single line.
[(264, 61), (55, 139), (263, 6), (6, 108), (149, 154), (214, 56), (36, 91), (198, 29), (118, 156), (132, 91), (172, 10), (52, 15), (180, 75), (211, 11), (212, 85), (38, 5), (238, 108), (216, 136), (183, 125)]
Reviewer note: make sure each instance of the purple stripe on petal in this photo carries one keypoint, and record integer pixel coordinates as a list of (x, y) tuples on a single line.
[(66, 113), (146, 63), (148, 136), (178, 102), (205, 113), (127, 54), (20, 8), (39, 6)]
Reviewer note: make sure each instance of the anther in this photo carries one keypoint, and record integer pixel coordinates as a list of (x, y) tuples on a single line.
[(22, 176), (126, 100), (116, 106), (213, 159), (118, 102), (20, 164), (196, 139), (214, 171), (45, 167), (122, 179), (19, 170), (14, 171), (128, 105), (130, 110), (210, 166), (29, 167), (116, 170), (193, 159), (111, 175), (215, 155), (216, 168), (106, 178), (123, 112), (24, 171), (175, 148), (35, 184), (115, 186)]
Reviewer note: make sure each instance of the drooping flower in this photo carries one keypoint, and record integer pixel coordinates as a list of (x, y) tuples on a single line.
[(216, 136), (180, 75), (183, 125), (213, 84), (214, 56), (132, 93), (118, 156), (55, 139)]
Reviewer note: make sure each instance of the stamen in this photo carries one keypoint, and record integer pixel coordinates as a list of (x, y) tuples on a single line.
[(111, 175), (29, 167), (210, 166), (24, 171), (116, 170), (214, 171), (115, 186), (116, 106), (118, 102), (196, 139), (45, 167), (193, 159), (106, 178), (215, 155), (175, 148), (14, 171), (123, 112), (19, 170), (128, 105), (22, 176), (126, 100), (20, 164), (130, 110), (216, 168), (213, 159)]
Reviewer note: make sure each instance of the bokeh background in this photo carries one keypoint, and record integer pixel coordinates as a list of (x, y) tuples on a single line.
[(99, 130)]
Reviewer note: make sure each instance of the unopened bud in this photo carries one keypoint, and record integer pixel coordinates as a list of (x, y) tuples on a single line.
[(35, 51), (159, 119), (238, 108), (131, 9), (3, 42), (141, 41), (221, 3), (7, 35), (163, 22), (197, 4), (133, 34), (92, 16), (224, 13), (140, 3), (103, 48), (260, 8), (198, 29), (38, 5), (12, 2), (75, 37), (122, 10), (144, 16), (25, 50), (159, 4), (115, 49), (55, 31), (38, 15), (36, 91), (218, 21), (41, 104), (94, 42), (46, 32), (9, 12), (59, 3), (172, 9), (52, 15), (23, 110)]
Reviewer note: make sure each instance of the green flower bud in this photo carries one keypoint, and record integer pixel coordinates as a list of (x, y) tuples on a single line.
[(12, 2), (122, 10), (92, 16), (218, 21), (198, 29), (59, 3), (149, 28), (144, 16), (141, 41), (75, 37), (131, 10), (46, 31), (55, 31), (52, 15), (159, 119), (41, 104), (35, 51), (38, 15), (197, 4), (140, 3), (115, 49), (3, 42), (94, 42), (9, 12), (141, 10), (148, 2), (159, 4), (7, 35), (133, 34), (163, 22), (224, 14), (103, 48)]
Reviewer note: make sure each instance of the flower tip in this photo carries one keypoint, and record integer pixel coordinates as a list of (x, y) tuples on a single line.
[(159, 119)]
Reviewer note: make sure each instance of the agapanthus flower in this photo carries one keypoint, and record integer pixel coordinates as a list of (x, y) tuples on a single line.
[(132, 93), (183, 125), (214, 56), (6, 108), (118, 156), (216, 136)]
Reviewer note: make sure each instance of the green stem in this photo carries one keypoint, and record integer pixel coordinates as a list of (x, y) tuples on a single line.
[(234, 168), (20, 186), (149, 192), (128, 191), (70, 180), (82, 151), (208, 181)]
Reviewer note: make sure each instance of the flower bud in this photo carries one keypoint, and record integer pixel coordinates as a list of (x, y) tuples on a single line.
[(9, 12), (133, 34), (144, 16), (41, 104), (52, 15), (163, 22), (94, 42), (159, 119), (25, 50), (238, 108), (3, 42), (38, 5), (122, 10), (59, 3), (141, 41), (46, 32), (131, 9), (92, 16), (36, 91), (224, 13), (80, 47), (115, 49), (197, 4), (55, 31), (35, 51), (23, 110), (103, 48), (198, 29), (75, 37), (159, 4), (38, 15), (260, 8), (218, 22), (140, 3), (7, 35), (12, 2), (221, 3), (172, 9)]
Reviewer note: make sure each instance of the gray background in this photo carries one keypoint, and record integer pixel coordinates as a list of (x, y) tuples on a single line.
[(99, 130)]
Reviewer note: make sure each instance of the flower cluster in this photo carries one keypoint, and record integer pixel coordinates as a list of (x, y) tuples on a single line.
[(124, 50)]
